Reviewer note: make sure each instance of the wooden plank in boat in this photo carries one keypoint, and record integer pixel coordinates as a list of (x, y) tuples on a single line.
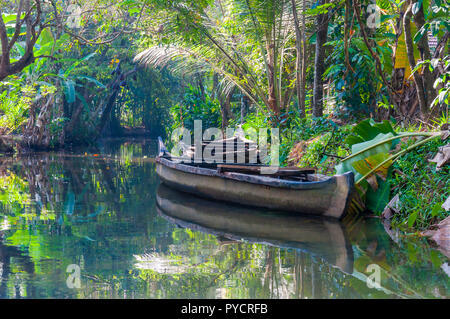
[(282, 171)]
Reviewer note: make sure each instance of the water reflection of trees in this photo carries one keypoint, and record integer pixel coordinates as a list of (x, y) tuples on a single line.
[(98, 212), (59, 209), (243, 270), (261, 271)]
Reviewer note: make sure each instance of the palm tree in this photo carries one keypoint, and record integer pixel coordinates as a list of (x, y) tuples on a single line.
[(250, 43)]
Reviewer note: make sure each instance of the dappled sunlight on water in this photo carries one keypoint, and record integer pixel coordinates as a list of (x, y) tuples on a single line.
[(103, 210)]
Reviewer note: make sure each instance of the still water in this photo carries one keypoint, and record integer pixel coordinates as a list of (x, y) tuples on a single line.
[(96, 223)]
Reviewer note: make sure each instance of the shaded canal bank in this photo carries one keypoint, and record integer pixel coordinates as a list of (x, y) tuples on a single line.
[(102, 209)]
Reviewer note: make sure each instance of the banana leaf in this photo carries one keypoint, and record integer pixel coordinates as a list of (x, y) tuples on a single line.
[(365, 150), (368, 130), (366, 165)]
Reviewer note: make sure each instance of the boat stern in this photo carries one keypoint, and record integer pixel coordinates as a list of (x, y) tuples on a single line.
[(345, 186)]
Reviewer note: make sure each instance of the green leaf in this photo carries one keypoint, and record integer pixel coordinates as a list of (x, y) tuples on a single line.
[(367, 130), (46, 37), (436, 209), (434, 257), (366, 149), (63, 39), (9, 18), (90, 79), (69, 89), (384, 127), (83, 101), (383, 4), (74, 65), (420, 34), (426, 5), (353, 139), (321, 9), (412, 218), (20, 48), (382, 148), (412, 253), (385, 17), (377, 200)]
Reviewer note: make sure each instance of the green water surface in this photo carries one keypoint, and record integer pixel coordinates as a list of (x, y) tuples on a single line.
[(95, 211)]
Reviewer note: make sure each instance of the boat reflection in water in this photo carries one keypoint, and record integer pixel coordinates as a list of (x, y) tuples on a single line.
[(323, 237), (361, 248)]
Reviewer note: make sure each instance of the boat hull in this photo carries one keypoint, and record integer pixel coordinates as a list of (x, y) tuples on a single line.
[(327, 197)]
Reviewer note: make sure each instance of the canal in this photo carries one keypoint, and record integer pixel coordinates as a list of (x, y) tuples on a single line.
[(96, 223)]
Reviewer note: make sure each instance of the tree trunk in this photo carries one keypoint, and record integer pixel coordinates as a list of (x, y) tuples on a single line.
[(36, 134), (244, 107), (412, 62), (75, 115), (299, 60), (225, 106), (201, 87), (215, 85), (73, 121), (147, 116), (304, 61), (33, 29), (271, 79), (107, 111), (424, 48), (115, 86), (319, 62)]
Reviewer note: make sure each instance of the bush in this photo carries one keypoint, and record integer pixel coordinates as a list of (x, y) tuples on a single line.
[(317, 143), (14, 107), (196, 107), (422, 190)]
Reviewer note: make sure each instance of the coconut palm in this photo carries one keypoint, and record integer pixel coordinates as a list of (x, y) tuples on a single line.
[(251, 43)]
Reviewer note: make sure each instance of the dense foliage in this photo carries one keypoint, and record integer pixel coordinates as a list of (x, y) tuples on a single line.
[(73, 72)]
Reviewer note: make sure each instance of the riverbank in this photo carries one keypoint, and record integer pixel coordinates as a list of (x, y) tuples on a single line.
[(418, 186), (14, 143)]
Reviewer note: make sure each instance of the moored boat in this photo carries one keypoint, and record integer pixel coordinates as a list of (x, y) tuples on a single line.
[(288, 189)]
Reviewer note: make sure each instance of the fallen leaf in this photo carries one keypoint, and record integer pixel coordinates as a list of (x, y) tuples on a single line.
[(403, 141), (392, 207), (393, 233), (446, 268), (442, 157), (445, 135), (372, 180), (441, 235), (446, 205)]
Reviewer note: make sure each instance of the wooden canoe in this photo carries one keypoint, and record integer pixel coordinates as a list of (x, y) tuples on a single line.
[(322, 237), (308, 194)]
